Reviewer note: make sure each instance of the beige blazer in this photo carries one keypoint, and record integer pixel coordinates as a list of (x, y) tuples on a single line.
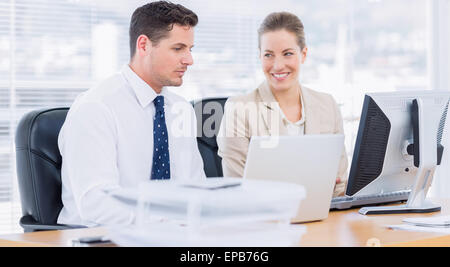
[(258, 114)]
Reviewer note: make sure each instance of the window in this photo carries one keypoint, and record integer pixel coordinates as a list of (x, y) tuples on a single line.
[(54, 49)]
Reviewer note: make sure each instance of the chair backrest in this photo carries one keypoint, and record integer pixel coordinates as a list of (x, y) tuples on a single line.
[(209, 112), (39, 164)]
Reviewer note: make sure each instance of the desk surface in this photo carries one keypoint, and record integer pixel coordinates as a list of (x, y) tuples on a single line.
[(341, 228)]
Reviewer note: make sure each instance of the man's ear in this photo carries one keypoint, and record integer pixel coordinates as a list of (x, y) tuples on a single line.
[(143, 45)]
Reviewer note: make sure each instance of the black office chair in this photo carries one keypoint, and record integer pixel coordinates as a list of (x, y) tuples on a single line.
[(206, 142), (39, 169), (39, 161)]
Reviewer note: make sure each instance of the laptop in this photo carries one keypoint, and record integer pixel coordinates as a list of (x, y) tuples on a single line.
[(310, 160)]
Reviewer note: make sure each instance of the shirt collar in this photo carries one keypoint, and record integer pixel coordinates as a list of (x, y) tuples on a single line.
[(144, 93), (270, 101), (301, 121)]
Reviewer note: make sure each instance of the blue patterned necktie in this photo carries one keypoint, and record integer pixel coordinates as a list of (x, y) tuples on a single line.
[(161, 160)]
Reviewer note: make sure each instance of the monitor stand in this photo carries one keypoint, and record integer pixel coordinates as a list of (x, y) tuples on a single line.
[(417, 202), (426, 121)]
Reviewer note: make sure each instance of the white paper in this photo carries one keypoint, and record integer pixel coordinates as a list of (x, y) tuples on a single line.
[(436, 221), (413, 228), (213, 201), (211, 183), (169, 234)]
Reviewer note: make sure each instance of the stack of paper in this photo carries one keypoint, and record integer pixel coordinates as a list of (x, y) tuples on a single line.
[(213, 212), (440, 221), (436, 224), (172, 234)]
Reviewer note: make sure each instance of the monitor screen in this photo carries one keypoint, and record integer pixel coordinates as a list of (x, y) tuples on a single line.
[(381, 161)]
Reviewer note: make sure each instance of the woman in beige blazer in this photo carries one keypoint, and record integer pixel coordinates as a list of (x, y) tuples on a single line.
[(280, 105)]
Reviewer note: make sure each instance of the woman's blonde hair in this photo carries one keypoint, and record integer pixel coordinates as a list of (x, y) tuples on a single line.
[(283, 21)]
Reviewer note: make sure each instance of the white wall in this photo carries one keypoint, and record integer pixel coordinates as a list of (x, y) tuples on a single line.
[(439, 72)]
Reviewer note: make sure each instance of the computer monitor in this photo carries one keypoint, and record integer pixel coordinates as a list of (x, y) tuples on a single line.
[(398, 147)]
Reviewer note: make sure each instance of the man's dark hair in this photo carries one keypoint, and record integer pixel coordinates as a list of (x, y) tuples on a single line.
[(156, 20)]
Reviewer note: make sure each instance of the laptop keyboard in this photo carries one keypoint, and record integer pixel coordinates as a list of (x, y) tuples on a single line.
[(346, 202)]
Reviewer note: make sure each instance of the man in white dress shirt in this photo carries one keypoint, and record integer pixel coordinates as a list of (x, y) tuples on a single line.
[(130, 129)]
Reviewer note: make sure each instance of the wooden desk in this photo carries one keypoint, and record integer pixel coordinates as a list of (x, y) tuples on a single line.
[(349, 228), (342, 228)]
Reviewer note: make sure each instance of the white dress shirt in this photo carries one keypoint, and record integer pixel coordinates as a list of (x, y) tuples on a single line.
[(294, 128), (106, 144)]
